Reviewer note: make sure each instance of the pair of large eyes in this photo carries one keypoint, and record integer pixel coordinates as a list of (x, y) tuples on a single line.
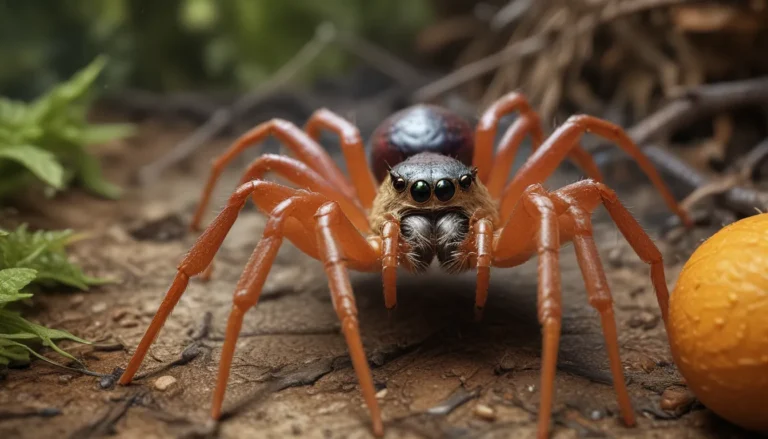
[(421, 191)]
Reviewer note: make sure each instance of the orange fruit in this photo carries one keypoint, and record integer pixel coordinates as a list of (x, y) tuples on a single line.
[(718, 323)]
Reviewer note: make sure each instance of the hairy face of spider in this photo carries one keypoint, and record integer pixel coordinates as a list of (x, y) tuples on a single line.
[(433, 196)]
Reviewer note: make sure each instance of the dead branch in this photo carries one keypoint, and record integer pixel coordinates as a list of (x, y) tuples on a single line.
[(224, 116)]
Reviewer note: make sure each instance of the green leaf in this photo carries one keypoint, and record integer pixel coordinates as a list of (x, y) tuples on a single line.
[(44, 252), (13, 352), (92, 179), (20, 250), (95, 134), (12, 280), (13, 323), (39, 161)]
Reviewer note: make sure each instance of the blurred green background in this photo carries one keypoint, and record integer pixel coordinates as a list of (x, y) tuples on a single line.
[(172, 45)]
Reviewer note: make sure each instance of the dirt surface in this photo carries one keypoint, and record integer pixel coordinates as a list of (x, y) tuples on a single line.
[(438, 371)]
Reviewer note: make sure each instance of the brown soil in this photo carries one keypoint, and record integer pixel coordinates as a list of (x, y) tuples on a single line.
[(291, 376)]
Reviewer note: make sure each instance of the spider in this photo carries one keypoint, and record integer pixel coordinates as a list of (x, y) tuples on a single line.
[(435, 190)]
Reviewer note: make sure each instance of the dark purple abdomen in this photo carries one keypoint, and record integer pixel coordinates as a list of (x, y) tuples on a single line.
[(417, 129)]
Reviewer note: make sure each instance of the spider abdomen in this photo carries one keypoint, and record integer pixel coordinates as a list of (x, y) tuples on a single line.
[(435, 234), (418, 129)]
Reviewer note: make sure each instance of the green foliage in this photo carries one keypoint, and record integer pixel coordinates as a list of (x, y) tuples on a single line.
[(47, 138), (29, 259), (188, 44)]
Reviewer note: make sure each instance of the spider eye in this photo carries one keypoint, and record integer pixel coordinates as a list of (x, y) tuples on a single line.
[(465, 181), (399, 183), (444, 190), (420, 191)]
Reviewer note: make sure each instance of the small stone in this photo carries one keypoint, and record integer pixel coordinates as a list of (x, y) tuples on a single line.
[(77, 299), (677, 400), (506, 364), (647, 364), (119, 314), (129, 323), (482, 411), (596, 415), (65, 379), (645, 320), (381, 393), (99, 307), (164, 382), (614, 257)]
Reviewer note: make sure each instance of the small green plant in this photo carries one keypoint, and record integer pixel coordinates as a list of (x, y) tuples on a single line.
[(29, 260), (46, 140)]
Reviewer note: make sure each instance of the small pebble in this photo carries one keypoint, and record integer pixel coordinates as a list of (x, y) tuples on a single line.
[(77, 299), (484, 412), (99, 307), (129, 323), (596, 415), (614, 257), (65, 379), (164, 382), (381, 393), (118, 315), (506, 364), (644, 320), (676, 399)]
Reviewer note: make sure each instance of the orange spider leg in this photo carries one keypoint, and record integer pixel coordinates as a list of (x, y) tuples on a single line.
[(497, 167), (481, 238), (590, 194), (545, 160), (352, 148), (200, 256), (390, 256), (330, 222), (536, 216), (599, 297), (300, 144), (304, 177)]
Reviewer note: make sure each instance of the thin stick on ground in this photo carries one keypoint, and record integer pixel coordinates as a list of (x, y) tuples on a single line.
[(223, 117)]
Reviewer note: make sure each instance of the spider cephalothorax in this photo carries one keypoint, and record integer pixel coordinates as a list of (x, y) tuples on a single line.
[(432, 190)]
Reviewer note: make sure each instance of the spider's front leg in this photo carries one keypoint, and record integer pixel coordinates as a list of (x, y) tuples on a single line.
[(533, 228), (337, 242), (545, 160), (267, 195), (298, 142), (302, 176), (494, 170)]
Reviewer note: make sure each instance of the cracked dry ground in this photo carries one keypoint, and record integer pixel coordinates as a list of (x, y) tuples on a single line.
[(291, 367)]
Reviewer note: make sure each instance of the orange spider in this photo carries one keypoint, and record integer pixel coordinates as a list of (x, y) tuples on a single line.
[(441, 194)]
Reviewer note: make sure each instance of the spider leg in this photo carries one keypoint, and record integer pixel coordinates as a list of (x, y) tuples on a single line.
[(304, 177), (331, 225), (599, 296), (589, 195), (481, 251), (536, 216), (546, 159), (351, 146), (252, 281), (494, 171), (300, 144), (390, 256), (201, 254)]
